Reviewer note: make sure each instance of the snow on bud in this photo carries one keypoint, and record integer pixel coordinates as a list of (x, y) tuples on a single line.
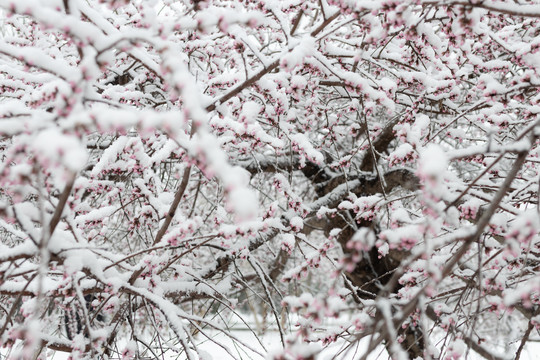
[(469, 209), (403, 238), (302, 144), (367, 206), (298, 82), (417, 131), (324, 210), (29, 307), (250, 111), (287, 243), (525, 228), (297, 224), (281, 183), (296, 303), (111, 305), (334, 233), (130, 350), (403, 154), (362, 240), (455, 350), (271, 212), (382, 248), (535, 321), (398, 217), (522, 294), (300, 50), (388, 85), (442, 309)]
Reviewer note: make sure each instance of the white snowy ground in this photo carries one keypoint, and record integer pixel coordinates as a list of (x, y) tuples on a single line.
[(212, 351), (271, 342), (338, 351)]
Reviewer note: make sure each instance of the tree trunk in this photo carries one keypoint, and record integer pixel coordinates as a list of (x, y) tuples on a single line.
[(371, 274)]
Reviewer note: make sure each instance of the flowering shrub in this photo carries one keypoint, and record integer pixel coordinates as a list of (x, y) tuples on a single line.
[(169, 167)]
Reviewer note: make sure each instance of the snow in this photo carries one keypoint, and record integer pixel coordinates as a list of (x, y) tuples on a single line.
[(27, 249), (298, 51), (298, 82), (452, 95), (297, 223), (52, 146), (210, 345), (42, 60), (433, 161), (243, 203), (403, 153), (304, 145), (250, 111)]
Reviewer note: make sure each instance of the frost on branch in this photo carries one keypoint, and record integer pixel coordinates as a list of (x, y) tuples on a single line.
[(173, 173)]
